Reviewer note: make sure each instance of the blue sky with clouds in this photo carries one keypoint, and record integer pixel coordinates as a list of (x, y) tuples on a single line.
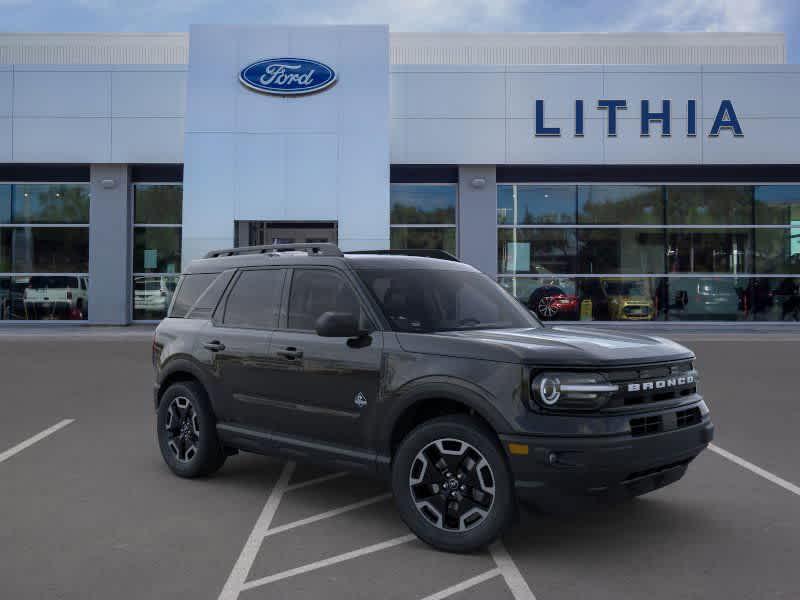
[(414, 15)]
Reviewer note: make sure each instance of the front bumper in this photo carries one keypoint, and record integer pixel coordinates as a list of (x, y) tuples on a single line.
[(607, 467)]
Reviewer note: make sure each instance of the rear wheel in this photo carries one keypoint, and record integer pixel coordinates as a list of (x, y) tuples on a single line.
[(187, 434), (452, 485)]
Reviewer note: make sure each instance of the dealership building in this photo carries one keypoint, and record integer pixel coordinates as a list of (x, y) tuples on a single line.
[(622, 177)]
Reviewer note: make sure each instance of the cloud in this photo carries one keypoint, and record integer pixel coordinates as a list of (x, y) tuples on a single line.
[(415, 15), (705, 15)]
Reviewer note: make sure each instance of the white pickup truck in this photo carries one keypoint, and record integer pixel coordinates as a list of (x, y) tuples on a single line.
[(56, 296)]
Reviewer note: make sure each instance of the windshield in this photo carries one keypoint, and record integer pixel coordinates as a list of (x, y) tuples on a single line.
[(427, 300), (626, 288)]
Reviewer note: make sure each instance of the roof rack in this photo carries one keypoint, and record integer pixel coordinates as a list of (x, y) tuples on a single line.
[(274, 249), (425, 253)]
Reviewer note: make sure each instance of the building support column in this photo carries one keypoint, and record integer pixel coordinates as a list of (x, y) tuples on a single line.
[(477, 217), (109, 245)]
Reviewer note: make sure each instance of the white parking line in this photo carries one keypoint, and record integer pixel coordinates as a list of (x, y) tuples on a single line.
[(510, 572), (404, 539), (33, 439), (756, 469), (235, 584), (327, 514), (464, 585)]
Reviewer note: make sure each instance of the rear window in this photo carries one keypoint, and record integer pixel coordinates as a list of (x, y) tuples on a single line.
[(53, 281), (190, 289)]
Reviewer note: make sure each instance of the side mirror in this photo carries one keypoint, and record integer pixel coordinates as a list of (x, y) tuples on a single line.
[(338, 324)]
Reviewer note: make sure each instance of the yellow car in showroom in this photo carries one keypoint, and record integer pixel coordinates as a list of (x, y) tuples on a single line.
[(628, 299)]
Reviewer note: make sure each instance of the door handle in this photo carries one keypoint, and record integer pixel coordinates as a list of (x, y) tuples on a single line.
[(290, 353), (214, 346)]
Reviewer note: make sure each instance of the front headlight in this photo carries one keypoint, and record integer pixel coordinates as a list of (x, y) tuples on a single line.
[(572, 391)]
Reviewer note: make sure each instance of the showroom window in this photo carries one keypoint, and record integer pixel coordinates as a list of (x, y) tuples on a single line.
[(156, 247), (423, 216), (44, 251), (646, 252)]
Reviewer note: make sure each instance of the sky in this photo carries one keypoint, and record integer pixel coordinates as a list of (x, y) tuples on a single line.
[(414, 15)]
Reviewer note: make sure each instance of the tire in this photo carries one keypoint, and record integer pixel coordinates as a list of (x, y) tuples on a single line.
[(190, 447), (418, 501)]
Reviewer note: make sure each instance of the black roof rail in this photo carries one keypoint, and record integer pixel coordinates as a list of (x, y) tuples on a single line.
[(312, 249), (425, 253)]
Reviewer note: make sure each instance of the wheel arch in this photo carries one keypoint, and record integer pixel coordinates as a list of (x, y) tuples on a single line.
[(431, 399), (181, 369)]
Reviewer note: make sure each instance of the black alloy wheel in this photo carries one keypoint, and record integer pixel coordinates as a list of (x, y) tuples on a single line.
[(187, 433), (452, 484)]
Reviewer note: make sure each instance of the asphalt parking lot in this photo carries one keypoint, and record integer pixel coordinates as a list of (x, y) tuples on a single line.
[(89, 510)]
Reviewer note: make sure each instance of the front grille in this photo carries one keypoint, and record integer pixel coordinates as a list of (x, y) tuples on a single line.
[(688, 417), (648, 384), (646, 425)]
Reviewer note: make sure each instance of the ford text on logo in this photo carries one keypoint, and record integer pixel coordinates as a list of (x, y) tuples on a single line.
[(726, 118), (287, 76), (660, 384)]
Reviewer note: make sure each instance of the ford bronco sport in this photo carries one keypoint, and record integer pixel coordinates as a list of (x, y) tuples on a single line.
[(421, 370)]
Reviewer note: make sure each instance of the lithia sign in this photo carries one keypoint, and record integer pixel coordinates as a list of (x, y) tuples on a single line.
[(726, 119)]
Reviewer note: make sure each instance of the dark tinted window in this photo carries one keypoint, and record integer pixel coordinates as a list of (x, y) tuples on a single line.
[(204, 306), (254, 301), (190, 289), (425, 300), (315, 291)]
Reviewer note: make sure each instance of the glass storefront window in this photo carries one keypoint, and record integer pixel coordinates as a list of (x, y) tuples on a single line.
[(44, 297), (44, 204), (778, 250), (157, 214), (152, 295), (535, 204), (709, 205), (621, 251), (539, 251), (157, 250), (591, 299), (724, 252), (777, 205), (620, 205), (44, 251), (709, 251), (158, 204), (424, 238), (431, 205), (774, 299), (708, 299), (550, 298), (423, 204)]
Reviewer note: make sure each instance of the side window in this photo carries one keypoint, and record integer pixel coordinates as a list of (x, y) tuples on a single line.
[(191, 287), (254, 301), (315, 291)]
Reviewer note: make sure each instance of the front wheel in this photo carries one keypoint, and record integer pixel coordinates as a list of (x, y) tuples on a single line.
[(452, 485), (187, 434)]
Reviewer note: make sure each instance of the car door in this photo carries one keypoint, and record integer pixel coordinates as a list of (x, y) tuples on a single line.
[(236, 340), (323, 388)]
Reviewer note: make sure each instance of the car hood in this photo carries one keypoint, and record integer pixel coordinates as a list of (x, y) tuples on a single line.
[(564, 346)]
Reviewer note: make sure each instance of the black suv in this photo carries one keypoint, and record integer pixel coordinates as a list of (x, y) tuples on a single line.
[(421, 370)]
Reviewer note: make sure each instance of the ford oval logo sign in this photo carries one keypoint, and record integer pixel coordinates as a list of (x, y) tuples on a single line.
[(287, 76)]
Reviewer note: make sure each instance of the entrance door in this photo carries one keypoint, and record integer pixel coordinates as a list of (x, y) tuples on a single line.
[(261, 233)]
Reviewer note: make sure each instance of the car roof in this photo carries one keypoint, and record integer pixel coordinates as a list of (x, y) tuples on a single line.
[(291, 259)]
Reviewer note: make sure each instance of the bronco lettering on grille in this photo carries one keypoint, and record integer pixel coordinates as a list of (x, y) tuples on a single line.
[(660, 384)]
